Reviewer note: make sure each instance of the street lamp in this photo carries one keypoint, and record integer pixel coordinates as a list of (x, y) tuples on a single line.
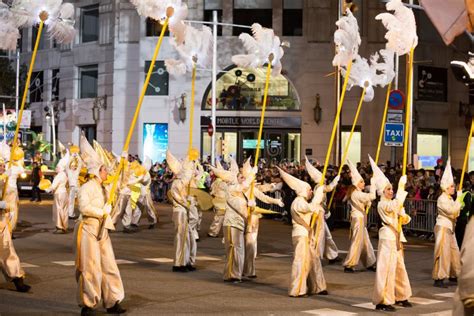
[(182, 108), (100, 103), (317, 111)]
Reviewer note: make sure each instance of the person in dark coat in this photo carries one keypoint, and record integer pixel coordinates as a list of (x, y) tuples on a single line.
[(35, 179)]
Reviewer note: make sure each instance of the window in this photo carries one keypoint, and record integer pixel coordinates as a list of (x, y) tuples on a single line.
[(90, 24), (159, 79), (209, 7), (153, 28), (34, 35), (90, 131), (55, 85), (36, 87), (226, 145), (354, 152), (88, 76), (248, 12), (430, 146), (242, 89), (292, 17)]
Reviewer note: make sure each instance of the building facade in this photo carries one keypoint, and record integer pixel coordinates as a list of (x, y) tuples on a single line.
[(95, 83)]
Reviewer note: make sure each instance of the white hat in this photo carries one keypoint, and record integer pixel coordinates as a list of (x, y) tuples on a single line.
[(381, 181), (218, 164), (355, 175), (173, 163), (300, 187), (225, 175), (313, 172), (63, 162), (234, 167), (447, 179), (247, 171), (90, 157)]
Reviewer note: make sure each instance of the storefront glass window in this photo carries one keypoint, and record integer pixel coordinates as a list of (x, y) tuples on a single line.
[(242, 90), (354, 147), (429, 149), (226, 145)]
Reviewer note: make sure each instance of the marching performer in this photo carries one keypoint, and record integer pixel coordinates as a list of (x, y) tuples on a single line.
[(9, 260), (392, 285), (145, 200), (11, 195), (97, 273), (132, 213), (325, 244), (179, 195), (61, 205), (251, 231), (361, 247), (73, 170), (306, 272), (446, 251), (218, 193)]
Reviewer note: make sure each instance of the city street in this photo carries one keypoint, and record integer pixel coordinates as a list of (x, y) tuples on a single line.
[(151, 288)]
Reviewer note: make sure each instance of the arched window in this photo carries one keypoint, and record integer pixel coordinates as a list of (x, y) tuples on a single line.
[(242, 90)]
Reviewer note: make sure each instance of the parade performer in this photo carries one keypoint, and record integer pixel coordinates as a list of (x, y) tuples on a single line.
[(132, 213), (60, 205), (251, 230), (145, 201), (181, 203), (326, 246), (11, 195), (97, 273), (392, 285), (218, 193), (361, 247), (306, 271), (9, 260), (446, 252), (73, 170)]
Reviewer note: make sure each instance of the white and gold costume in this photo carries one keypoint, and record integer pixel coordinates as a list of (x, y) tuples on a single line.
[(61, 196), (446, 252), (218, 193), (97, 273), (391, 280), (306, 271), (361, 247), (73, 170), (11, 195)]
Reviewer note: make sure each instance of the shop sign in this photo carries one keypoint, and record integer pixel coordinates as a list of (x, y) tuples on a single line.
[(432, 84)]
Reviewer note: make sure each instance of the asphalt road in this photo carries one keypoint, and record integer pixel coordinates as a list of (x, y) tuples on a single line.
[(152, 289)]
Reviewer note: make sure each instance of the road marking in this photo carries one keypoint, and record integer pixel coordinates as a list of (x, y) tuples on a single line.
[(448, 295), (208, 258), (65, 263), (423, 301), (416, 246), (159, 260), (442, 313), (123, 261), (28, 265), (329, 312), (275, 255), (368, 305)]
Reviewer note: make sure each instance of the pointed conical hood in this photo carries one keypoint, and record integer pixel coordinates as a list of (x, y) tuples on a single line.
[(313, 172), (381, 181), (218, 164), (234, 167), (225, 175), (173, 163), (300, 187), (248, 171), (63, 162), (90, 157), (447, 179), (147, 163), (355, 175)]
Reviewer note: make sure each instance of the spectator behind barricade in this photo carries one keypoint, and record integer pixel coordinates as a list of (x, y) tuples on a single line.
[(439, 168)]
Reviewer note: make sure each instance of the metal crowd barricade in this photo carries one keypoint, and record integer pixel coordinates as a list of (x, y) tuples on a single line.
[(272, 207)]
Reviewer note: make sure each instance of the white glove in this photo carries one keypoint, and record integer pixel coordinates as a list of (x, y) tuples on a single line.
[(402, 182), (281, 204), (327, 215), (3, 205), (107, 209), (251, 203)]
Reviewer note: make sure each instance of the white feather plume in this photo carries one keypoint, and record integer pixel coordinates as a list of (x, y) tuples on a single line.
[(9, 35), (379, 72), (259, 47), (347, 39), (401, 27), (197, 43)]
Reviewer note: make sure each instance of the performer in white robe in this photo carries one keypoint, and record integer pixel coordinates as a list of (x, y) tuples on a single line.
[(97, 273), (11, 195), (306, 272), (218, 193), (392, 285), (324, 242), (9, 261), (464, 296), (446, 252), (73, 170), (60, 205), (361, 247)]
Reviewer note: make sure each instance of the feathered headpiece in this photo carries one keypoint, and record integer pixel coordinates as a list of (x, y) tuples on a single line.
[(381, 181), (401, 27), (196, 48), (447, 179), (259, 47), (347, 39), (58, 18), (313, 172), (300, 187), (160, 9), (355, 175)]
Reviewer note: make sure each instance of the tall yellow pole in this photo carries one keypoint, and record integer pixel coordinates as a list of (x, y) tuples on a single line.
[(382, 125), (346, 147), (138, 107), (408, 109), (262, 118), (191, 105), (466, 155), (43, 17)]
